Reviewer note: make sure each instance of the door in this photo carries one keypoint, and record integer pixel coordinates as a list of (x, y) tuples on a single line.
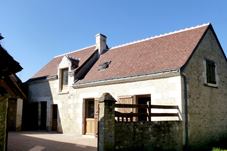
[(54, 117), (34, 116), (143, 100), (43, 115), (90, 121)]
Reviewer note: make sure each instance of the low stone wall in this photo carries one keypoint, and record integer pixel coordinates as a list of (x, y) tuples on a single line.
[(135, 136), (149, 136), (3, 114)]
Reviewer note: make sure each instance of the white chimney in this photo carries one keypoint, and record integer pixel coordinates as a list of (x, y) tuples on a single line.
[(101, 43)]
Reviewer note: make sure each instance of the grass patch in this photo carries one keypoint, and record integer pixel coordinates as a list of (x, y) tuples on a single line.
[(218, 149)]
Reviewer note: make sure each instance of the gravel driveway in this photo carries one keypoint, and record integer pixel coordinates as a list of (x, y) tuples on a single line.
[(44, 141)]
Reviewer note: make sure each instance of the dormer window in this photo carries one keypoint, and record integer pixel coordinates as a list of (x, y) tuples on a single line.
[(64, 78), (66, 71)]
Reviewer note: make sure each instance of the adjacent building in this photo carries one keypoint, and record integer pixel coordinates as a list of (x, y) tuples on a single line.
[(11, 96)]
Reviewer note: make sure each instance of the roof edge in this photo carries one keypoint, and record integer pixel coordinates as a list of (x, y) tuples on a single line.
[(73, 51), (36, 78), (216, 38), (219, 44), (194, 49), (161, 35), (155, 75)]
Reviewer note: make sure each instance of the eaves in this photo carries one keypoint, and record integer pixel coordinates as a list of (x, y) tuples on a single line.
[(151, 76)]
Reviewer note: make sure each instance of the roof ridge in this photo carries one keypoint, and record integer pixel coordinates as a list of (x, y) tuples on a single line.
[(161, 35), (67, 53)]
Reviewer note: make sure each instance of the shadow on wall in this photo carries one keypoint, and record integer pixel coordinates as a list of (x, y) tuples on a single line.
[(39, 112), (33, 142)]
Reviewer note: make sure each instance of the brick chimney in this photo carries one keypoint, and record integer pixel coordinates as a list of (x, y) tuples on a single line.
[(101, 43)]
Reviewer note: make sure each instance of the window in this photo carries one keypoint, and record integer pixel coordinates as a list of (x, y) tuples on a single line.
[(104, 65), (90, 108), (211, 72), (64, 78)]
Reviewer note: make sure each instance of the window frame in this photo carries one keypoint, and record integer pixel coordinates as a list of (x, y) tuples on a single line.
[(210, 80), (63, 85)]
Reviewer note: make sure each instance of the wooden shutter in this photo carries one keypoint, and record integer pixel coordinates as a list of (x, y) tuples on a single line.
[(126, 100)]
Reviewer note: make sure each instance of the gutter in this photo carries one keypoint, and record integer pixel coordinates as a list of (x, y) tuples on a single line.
[(186, 140), (157, 75)]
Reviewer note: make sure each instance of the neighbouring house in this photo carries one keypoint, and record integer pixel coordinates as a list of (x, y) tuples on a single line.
[(11, 96), (185, 68)]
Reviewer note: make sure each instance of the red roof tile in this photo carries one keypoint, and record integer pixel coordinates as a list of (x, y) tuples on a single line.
[(50, 69), (166, 52)]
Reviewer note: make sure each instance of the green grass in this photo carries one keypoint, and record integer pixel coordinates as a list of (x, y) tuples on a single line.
[(218, 149)]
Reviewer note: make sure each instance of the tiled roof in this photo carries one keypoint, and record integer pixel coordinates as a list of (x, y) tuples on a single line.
[(50, 69), (156, 54), (7, 63)]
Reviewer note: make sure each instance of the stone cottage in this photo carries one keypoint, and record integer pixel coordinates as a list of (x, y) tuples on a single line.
[(11, 96), (185, 68)]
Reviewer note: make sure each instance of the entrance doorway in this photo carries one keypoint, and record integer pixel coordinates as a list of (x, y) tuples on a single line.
[(143, 100), (33, 116), (90, 117), (54, 117), (43, 116)]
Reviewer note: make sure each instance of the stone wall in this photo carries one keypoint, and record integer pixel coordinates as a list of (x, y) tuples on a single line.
[(165, 91), (149, 136), (68, 107), (3, 123), (207, 105), (19, 114), (136, 136), (40, 91)]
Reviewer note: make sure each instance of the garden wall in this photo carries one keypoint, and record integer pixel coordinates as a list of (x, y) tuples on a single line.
[(149, 136)]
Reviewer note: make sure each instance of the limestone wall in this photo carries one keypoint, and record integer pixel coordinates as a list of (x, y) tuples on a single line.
[(207, 106), (19, 114), (166, 91), (39, 91), (3, 123)]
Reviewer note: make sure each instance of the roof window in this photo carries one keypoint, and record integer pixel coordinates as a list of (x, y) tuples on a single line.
[(104, 65)]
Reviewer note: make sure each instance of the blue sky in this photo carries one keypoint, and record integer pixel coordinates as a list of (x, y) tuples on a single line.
[(37, 30)]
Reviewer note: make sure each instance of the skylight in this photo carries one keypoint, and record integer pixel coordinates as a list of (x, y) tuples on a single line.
[(104, 65)]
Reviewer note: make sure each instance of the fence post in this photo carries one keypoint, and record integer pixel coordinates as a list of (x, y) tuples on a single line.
[(106, 130)]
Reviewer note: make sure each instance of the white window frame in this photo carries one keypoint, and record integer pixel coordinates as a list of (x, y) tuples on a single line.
[(63, 89)]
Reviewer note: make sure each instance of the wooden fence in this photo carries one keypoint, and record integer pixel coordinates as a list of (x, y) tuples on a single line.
[(146, 113)]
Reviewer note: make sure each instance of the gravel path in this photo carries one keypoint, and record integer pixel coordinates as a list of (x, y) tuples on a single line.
[(44, 141)]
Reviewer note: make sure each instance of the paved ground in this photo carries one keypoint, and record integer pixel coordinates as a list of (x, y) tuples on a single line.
[(43, 141)]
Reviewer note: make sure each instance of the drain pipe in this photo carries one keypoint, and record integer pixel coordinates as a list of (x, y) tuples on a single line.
[(186, 148)]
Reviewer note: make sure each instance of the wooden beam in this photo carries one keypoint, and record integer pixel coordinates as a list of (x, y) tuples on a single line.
[(146, 106)]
